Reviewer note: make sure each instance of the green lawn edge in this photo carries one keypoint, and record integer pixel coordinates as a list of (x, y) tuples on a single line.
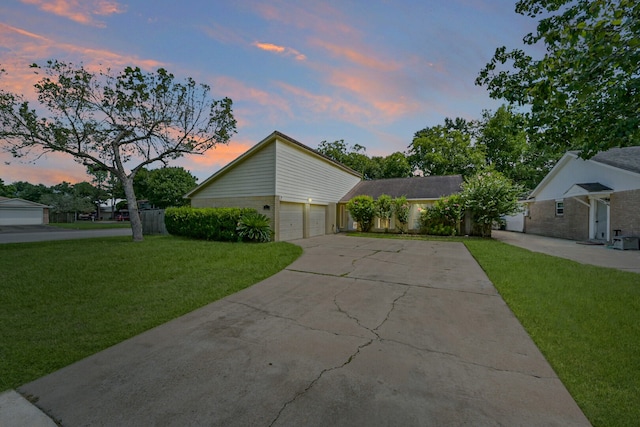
[(65, 300)]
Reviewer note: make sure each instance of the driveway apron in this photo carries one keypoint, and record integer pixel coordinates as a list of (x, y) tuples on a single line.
[(357, 331)]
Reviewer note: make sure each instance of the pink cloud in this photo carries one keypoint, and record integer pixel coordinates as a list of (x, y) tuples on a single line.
[(24, 48), (80, 11), (356, 56), (286, 51)]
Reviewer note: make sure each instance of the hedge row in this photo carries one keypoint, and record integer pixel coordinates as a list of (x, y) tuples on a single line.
[(218, 224)]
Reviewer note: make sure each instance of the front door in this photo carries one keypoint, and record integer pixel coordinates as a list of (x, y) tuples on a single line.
[(601, 227)]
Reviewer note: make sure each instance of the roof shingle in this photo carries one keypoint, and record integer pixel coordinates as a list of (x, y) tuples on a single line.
[(427, 187)]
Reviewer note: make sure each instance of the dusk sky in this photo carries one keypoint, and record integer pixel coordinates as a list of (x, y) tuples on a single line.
[(368, 72)]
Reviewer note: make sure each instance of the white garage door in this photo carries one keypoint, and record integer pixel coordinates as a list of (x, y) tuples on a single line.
[(18, 216), (291, 224), (317, 220)]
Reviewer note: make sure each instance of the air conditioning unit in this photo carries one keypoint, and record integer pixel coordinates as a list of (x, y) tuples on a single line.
[(626, 243)]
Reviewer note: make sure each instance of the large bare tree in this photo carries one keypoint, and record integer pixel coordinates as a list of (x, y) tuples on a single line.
[(116, 122)]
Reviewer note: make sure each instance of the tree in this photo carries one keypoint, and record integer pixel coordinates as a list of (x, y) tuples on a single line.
[(445, 150), (351, 156), (507, 147), (7, 190), (362, 210), (384, 209), (396, 165), (584, 93), (118, 123), (27, 191), (488, 196), (167, 186), (401, 210)]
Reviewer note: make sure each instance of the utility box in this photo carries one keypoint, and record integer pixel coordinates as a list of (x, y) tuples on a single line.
[(626, 243)]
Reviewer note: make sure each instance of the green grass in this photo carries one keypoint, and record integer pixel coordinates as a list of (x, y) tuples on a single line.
[(584, 319), (64, 300), (91, 225)]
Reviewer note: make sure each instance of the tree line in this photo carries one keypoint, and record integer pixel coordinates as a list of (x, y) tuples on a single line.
[(161, 188), (498, 141)]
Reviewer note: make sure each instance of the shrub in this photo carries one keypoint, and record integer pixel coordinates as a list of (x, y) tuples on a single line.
[(443, 218), (488, 196), (401, 210), (255, 227), (362, 209), (205, 223), (384, 208)]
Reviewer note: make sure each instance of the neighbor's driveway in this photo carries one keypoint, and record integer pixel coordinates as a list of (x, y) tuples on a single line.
[(357, 331)]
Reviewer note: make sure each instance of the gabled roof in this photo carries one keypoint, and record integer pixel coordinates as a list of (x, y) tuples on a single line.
[(259, 146), (19, 203), (627, 158), (416, 188)]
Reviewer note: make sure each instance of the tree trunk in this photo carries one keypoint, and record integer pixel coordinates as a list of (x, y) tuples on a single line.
[(134, 216)]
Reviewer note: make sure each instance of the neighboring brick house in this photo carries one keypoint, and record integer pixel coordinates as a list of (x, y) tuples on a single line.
[(592, 199)]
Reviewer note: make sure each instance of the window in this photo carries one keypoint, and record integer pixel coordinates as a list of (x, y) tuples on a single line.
[(559, 207)]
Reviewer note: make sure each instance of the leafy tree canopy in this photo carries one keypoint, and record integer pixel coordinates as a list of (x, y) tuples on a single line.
[(167, 186), (584, 93), (117, 123), (446, 150)]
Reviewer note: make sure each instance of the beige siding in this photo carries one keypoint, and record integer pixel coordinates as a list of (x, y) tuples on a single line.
[(302, 176), (252, 177)]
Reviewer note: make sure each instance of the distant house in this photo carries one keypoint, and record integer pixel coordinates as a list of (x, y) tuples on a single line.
[(15, 211), (421, 193), (295, 186), (591, 199)]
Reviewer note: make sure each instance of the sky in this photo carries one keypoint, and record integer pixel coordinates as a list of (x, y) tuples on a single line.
[(367, 72)]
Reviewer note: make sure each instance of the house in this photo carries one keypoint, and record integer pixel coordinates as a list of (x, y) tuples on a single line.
[(594, 199), (296, 187), (14, 211), (421, 192)]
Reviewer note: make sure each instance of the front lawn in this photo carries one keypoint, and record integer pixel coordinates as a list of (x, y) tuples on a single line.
[(64, 300), (584, 319)]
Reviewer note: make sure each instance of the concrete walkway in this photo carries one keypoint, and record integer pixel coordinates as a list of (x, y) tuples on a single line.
[(599, 255), (357, 331)]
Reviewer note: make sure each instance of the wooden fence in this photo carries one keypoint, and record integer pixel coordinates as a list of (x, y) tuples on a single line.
[(153, 221)]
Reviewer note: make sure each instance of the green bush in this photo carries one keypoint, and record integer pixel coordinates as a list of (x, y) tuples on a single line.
[(443, 218), (218, 224), (384, 209), (401, 210), (255, 227), (362, 210)]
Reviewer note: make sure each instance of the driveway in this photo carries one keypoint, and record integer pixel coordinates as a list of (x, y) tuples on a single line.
[(599, 255), (357, 331)]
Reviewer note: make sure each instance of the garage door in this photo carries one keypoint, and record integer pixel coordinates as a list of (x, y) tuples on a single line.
[(18, 216), (290, 226), (317, 220)]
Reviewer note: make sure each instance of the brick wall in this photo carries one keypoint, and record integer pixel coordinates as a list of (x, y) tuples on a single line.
[(625, 212), (574, 224)]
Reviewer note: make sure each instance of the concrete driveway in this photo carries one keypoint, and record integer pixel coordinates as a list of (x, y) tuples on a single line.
[(357, 331)]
